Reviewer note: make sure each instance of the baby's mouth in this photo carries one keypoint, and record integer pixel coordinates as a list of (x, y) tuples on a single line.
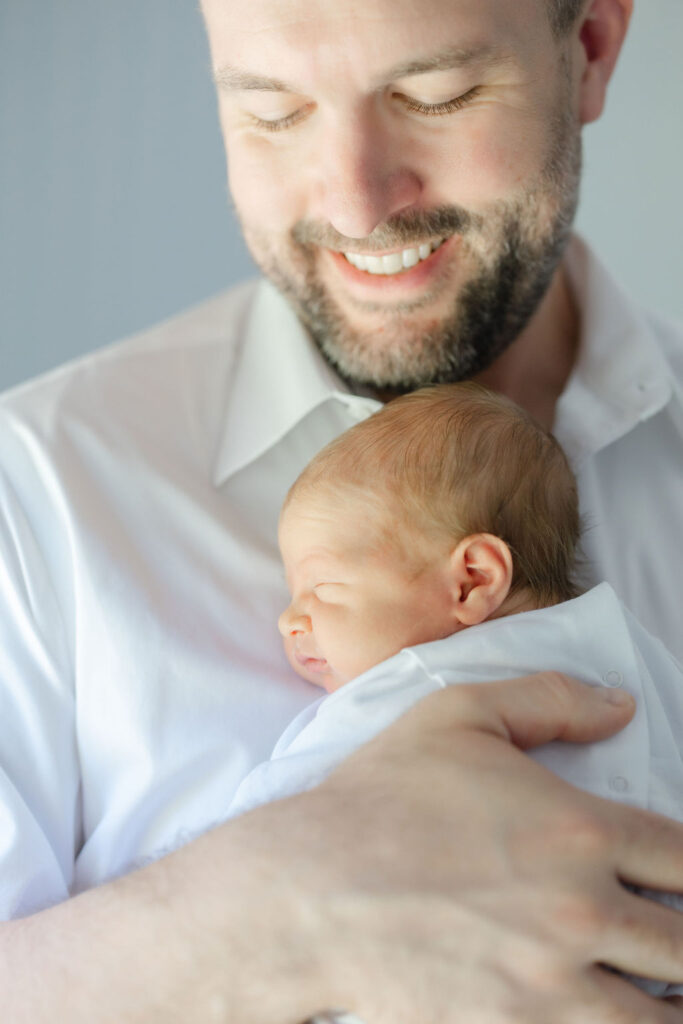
[(310, 663)]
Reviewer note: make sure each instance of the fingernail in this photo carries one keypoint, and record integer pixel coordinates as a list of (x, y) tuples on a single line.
[(618, 697)]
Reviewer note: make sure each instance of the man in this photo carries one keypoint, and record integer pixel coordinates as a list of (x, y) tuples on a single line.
[(141, 671)]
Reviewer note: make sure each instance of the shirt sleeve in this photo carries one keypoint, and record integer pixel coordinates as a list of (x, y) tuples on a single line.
[(39, 776)]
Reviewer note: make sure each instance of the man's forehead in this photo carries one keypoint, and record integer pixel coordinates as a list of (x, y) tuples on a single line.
[(339, 24)]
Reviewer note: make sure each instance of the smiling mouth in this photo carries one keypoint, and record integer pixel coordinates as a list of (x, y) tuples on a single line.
[(395, 262)]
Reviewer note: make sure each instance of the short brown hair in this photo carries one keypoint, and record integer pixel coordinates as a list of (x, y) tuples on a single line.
[(454, 460)]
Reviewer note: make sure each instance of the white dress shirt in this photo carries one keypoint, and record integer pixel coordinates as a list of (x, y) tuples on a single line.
[(141, 672)]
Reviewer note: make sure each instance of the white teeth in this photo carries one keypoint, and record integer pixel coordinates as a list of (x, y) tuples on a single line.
[(392, 264), (396, 262), (374, 264)]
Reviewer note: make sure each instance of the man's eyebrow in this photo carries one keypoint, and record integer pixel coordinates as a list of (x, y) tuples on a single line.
[(449, 59), (234, 79)]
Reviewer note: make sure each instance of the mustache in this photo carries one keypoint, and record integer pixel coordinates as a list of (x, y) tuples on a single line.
[(402, 231)]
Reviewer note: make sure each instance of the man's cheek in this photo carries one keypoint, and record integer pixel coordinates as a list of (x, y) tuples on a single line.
[(485, 167), (263, 187)]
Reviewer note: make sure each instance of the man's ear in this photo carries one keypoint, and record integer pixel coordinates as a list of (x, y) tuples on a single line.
[(481, 573), (599, 35)]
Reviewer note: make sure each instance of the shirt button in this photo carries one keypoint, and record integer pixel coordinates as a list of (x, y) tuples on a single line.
[(618, 783), (613, 678)]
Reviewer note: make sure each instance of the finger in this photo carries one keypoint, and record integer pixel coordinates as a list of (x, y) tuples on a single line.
[(644, 938), (649, 848), (335, 1017), (630, 1005), (534, 710)]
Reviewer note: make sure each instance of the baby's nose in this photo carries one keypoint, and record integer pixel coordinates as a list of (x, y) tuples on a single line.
[(291, 622)]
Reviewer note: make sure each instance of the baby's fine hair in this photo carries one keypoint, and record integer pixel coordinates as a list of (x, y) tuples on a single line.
[(457, 459)]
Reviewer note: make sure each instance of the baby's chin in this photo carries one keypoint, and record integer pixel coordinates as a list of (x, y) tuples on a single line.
[(325, 678)]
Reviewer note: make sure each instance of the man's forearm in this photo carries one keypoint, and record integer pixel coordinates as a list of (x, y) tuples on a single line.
[(213, 932), (437, 874)]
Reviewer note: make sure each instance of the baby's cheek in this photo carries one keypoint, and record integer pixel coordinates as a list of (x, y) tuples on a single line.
[(289, 648), (289, 645)]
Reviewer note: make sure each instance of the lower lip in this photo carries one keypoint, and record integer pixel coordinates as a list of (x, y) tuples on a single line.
[(406, 280), (312, 664)]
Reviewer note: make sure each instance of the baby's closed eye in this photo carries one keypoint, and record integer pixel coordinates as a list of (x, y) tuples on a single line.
[(327, 588)]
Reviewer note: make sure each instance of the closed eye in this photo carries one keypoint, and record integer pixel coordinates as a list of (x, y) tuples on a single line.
[(279, 124), (327, 587), (439, 109), (416, 106)]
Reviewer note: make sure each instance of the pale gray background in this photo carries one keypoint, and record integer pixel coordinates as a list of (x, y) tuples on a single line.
[(113, 210)]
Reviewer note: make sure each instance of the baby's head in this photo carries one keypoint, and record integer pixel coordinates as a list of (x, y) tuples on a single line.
[(447, 507)]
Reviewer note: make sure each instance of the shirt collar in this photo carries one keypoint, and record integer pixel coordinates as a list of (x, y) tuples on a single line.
[(279, 376), (621, 376)]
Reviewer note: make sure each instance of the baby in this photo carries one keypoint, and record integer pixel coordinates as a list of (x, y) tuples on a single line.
[(434, 544), (403, 530)]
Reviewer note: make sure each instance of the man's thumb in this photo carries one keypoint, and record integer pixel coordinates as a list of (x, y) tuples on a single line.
[(536, 709)]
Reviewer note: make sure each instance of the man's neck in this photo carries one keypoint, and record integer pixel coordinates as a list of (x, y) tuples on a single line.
[(533, 371)]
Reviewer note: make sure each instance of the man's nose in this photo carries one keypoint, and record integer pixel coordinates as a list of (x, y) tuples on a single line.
[(291, 622), (364, 179)]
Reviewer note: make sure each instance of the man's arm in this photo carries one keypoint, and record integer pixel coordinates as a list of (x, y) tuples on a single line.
[(438, 874)]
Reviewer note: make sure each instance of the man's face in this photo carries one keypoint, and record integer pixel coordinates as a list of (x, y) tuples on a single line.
[(435, 142), (358, 597)]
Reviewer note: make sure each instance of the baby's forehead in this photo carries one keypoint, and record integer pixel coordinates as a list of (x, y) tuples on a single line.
[(367, 501), (309, 518), (350, 524)]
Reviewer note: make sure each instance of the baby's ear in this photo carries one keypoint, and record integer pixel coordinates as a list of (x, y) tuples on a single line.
[(481, 571)]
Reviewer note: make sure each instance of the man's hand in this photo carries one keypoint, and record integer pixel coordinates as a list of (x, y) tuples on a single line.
[(462, 882), (438, 875)]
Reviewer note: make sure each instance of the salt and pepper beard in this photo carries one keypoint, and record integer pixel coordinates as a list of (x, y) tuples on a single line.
[(515, 246)]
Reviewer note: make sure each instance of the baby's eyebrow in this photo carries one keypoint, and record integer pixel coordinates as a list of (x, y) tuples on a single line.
[(315, 563), (318, 554)]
